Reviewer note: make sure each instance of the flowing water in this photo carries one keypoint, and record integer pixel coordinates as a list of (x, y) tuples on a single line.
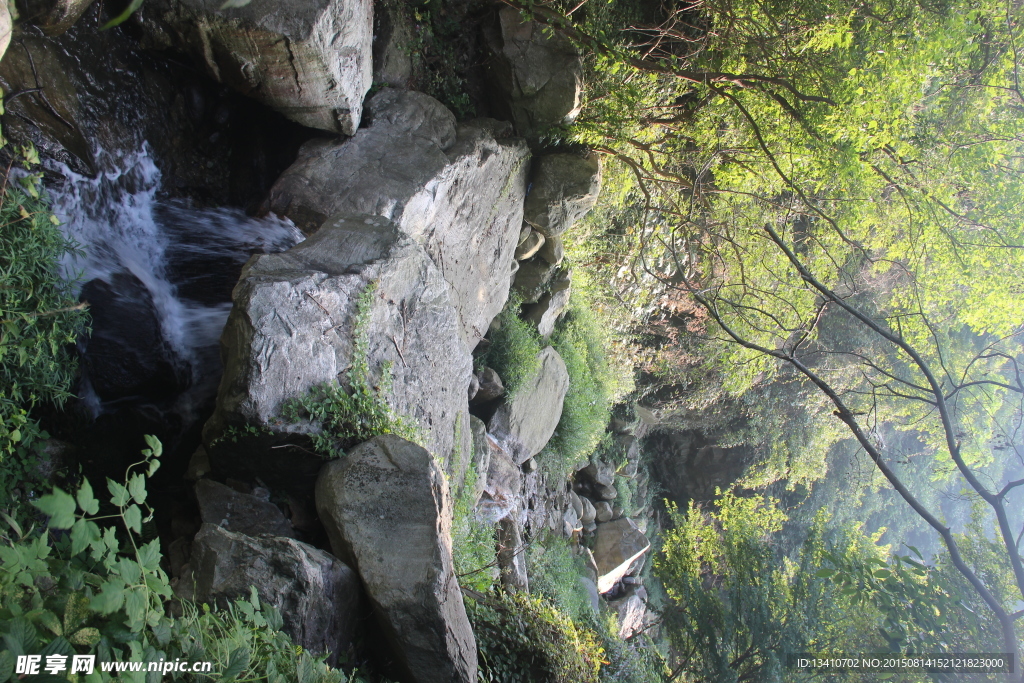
[(158, 275)]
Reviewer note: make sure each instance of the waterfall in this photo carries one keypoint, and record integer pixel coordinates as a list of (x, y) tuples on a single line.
[(158, 275)]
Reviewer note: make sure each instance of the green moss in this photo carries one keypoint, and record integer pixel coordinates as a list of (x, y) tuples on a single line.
[(514, 347)]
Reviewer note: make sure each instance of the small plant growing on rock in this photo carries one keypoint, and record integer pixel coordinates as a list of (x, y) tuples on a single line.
[(349, 415)]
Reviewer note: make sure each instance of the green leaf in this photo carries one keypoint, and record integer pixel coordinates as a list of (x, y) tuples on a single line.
[(50, 621), (137, 487), (58, 646), (118, 493), (123, 16), (59, 506), (238, 662), (87, 502), (111, 596), (83, 533), (6, 666), (156, 448), (149, 555), (133, 518)]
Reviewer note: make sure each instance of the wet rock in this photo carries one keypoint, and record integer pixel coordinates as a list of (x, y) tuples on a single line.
[(564, 190), (491, 386), (530, 246), (198, 465), (457, 190), (53, 16), (293, 326), (537, 74), (617, 546), (387, 510), (245, 514), (126, 354), (527, 421), (512, 555), (311, 63), (317, 594)]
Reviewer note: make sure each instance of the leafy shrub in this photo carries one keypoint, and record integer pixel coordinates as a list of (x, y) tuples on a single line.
[(77, 588), (350, 415), (583, 343), (554, 573), (514, 347), (524, 638), (473, 542), (39, 319)]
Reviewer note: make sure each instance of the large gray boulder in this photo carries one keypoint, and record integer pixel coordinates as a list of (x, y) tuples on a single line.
[(310, 61), (537, 74), (618, 544), (502, 493), (317, 594), (546, 312), (456, 189), (526, 422), (294, 325), (387, 510), (242, 513), (564, 188)]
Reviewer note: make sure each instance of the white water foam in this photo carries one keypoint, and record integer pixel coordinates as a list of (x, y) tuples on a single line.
[(121, 225)]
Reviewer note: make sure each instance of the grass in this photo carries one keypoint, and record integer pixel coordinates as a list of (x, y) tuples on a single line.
[(514, 348)]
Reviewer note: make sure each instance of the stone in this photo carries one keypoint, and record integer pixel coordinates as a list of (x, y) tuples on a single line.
[(546, 312), (577, 504), (524, 234), (456, 189), (387, 510), (179, 552), (630, 613), (491, 386), (54, 17), (474, 387), (311, 63), (239, 512), (512, 555), (526, 422), (504, 484), (589, 563), (572, 523), (618, 544), (293, 326), (530, 246), (6, 26), (591, 589), (198, 465), (529, 466), (564, 188), (589, 513), (126, 355), (393, 44), (552, 251), (316, 594), (603, 511), (532, 279), (598, 473), (537, 75), (602, 492)]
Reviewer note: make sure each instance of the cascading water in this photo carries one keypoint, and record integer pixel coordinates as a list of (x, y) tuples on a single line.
[(158, 275)]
